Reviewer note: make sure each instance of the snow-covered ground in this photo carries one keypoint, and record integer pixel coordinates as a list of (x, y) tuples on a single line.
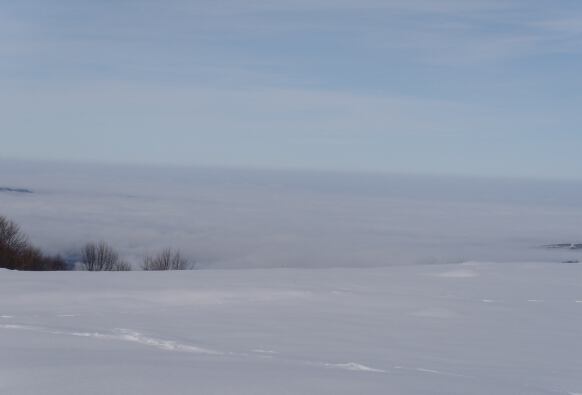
[(472, 328)]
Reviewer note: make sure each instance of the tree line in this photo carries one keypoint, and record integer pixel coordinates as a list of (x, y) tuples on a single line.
[(17, 253)]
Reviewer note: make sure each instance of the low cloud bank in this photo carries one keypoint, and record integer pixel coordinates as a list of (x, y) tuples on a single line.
[(239, 219)]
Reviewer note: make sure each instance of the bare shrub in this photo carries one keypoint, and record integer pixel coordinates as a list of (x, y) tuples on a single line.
[(167, 260), (55, 263), (32, 259), (8, 258), (99, 257), (122, 266)]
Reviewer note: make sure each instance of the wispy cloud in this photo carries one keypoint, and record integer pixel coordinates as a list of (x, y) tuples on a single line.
[(338, 71)]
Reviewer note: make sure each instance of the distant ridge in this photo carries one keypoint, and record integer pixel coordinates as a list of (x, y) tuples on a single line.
[(16, 190)]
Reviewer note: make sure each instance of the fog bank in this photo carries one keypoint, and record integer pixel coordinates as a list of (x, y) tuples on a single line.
[(248, 218)]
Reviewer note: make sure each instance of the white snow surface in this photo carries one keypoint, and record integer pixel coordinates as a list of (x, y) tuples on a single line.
[(503, 328)]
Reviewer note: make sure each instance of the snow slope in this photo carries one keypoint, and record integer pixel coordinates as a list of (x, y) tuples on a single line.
[(425, 329)]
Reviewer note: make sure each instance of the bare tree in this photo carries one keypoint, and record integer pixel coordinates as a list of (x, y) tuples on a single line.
[(13, 244), (99, 257), (17, 254), (10, 235), (167, 260)]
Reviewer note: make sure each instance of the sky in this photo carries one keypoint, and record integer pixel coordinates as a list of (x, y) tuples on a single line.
[(472, 87)]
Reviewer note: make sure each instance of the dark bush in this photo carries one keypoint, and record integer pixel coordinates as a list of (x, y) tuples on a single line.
[(34, 260)]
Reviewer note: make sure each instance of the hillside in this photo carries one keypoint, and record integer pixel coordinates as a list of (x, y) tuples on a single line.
[(422, 329)]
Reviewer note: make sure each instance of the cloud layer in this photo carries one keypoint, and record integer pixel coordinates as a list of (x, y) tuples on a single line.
[(241, 219)]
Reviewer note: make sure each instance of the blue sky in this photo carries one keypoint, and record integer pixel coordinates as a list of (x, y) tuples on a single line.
[(469, 87)]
